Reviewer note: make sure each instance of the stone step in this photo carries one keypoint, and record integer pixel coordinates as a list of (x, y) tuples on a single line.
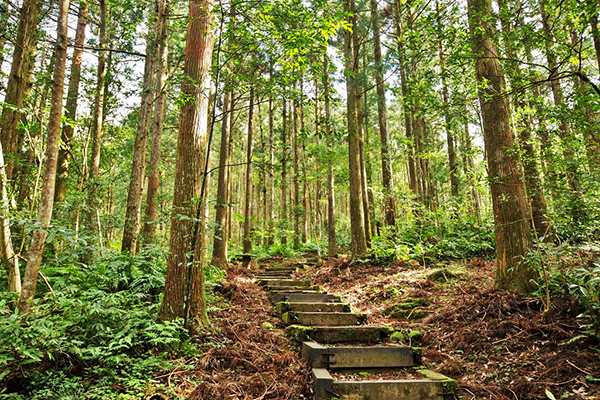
[(299, 297), (264, 276), (283, 282), (281, 269), (340, 334), (320, 356), (433, 386), (292, 289), (323, 318), (284, 306)]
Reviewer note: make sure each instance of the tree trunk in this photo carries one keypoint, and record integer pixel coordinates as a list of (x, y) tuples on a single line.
[(469, 167), (357, 228), (364, 187), (270, 236), (219, 256), (249, 185), (332, 246), (284, 214), (4, 13), (160, 109), (386, 166), (184, 285), (513, 239), (71, 106), (454, 182), (38, 239), (572, 170), (17, 82), (296, 178), (133, 210), (97, 126), (7, 253)]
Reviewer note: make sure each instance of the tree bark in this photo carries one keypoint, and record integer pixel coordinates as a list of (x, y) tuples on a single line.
[(386, 166), (249, 185), (184, 285), (270, 236), (219, 256), (332, 246), (512, 231), (4, 14), (133, 209), (284, 144), (357, 229), (71, 106), (7, 253), (17, 82), (97, 126), (296, 178), (160, 110), (38, 239)]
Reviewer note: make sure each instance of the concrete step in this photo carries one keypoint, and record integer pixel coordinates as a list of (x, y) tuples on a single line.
[(265, 276), (299, 297), (284, 306), (292, 289), (286, 268), (283, 282), (340, 334), (321, 356), (433, 386), (323, 318)]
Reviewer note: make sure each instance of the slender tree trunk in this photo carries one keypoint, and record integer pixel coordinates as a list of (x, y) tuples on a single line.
[(296, 178), (469, 167), (513, 239), (406, 98), (133, 210), (97, 125), (38, 239), (71, 106), (357, 228), (572, 169), (364, 187), (160, 110), (184, 285), (7, 253), (332, 246), (249, 185), (454, 181), (386, 166), (4, 14), (284, 214), (219, 256), (17, 82), (271, 237)]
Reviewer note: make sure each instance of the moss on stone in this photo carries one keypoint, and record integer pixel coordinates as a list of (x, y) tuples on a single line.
[(415, 335), (398, 337)]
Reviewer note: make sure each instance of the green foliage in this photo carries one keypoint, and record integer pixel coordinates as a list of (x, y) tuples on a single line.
[(435, 238), (98, 338)]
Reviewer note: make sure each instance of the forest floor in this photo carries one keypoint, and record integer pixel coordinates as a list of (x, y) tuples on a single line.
[(497, 344)]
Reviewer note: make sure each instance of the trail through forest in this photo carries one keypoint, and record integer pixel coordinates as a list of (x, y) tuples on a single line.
[(498, 345)]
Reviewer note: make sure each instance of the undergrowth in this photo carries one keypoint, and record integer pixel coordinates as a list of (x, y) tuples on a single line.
[(96, 336)]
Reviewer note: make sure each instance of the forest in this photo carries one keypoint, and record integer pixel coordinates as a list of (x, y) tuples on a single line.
[(433, 163)]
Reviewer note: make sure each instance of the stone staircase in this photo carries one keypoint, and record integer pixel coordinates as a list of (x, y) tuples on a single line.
[(348, 358)]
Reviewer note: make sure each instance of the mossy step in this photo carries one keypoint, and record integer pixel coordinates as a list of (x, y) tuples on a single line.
[(433, 386), (283, 282), (299, 297), (280, 269), (261, 277), (340, 334), (323, 318), (285, 306), (292, 289), (338, 357)]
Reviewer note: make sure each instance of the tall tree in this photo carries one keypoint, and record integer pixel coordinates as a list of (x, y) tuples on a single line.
[(249, 185), (72, 102), (357, 227), (17, 82), (7, 254), (38, 239), (386, 166), (160, 110), (284, 144), (184, 285), (512, 231), (332, 247), (97, 124)]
